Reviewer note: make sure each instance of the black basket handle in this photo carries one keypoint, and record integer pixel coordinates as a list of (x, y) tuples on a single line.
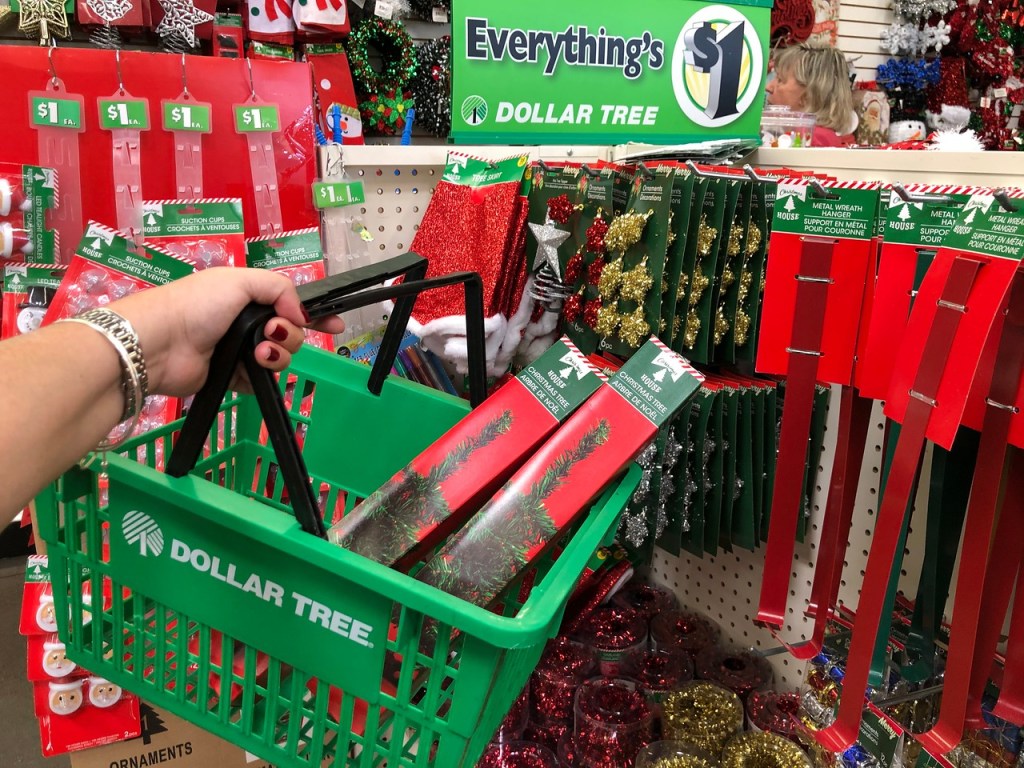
[(330, 296)]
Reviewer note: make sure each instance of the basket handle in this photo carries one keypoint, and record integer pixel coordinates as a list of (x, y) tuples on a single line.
[(330, 296)]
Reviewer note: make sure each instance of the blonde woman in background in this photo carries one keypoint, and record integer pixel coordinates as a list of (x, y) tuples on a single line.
[(815, 78)]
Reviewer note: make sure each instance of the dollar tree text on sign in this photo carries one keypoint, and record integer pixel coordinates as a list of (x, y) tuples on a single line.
[(582, 71)]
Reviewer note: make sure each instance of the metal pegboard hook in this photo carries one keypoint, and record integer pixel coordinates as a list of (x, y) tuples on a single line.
[(54, 80), (252, 83), (821, 191), (646, 172), (1003, 198), (692, 167), (184, 77), (120, 79), (753, 175), (911, 197), (590, 171)]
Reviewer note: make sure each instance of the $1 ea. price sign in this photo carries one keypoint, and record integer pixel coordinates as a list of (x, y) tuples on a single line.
[(126, 117), (257, 121), (188, 120), (337, 194)]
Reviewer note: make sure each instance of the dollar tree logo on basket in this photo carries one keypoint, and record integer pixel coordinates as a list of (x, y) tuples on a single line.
[(144, 535), (142, 531)]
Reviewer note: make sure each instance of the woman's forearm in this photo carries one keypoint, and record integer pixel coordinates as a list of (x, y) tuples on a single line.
[(60, 394)]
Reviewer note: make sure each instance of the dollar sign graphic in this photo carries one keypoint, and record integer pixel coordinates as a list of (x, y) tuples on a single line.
[(176, 114), (720, 54)]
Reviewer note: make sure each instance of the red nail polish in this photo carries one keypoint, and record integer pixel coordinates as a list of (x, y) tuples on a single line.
[(305, 314), (280, 333), (273, 356)]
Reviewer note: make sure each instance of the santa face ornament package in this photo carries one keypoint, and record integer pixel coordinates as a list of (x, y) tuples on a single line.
[(450, 480)]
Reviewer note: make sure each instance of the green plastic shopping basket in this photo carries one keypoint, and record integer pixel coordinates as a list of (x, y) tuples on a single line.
[(218, 607)]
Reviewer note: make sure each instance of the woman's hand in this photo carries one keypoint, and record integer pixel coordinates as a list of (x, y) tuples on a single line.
[(179, 324)]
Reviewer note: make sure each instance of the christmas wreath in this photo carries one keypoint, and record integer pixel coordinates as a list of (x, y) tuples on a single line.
[(432, 87), (385, 114), (396, 49)]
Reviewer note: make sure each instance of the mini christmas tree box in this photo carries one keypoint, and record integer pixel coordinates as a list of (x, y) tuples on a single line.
[(548, 493), (440, 488)]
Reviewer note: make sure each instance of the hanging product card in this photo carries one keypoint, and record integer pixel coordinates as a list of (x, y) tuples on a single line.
[(673, 284), (705, 258), (28, 292), (684, 326), (126, 118), (736, 278), (692, 71), (847, 217), (187, 119), (449, 481), (914, 232), (332, 84), (549, 491), (258, 122), (986, 232), (207, 233), (298, 255), (553, 193), (28, 195), (703, 449), (630, 284), (583, 272), (322, 17), (58, 117), (714, 324), (271, 20)]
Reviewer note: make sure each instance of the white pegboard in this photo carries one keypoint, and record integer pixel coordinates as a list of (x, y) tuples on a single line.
[(398, 183), (727, 587)]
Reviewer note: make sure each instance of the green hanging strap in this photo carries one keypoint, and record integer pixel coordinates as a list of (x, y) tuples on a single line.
[(947, 506)]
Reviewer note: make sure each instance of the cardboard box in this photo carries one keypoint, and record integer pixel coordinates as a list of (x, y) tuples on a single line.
[(167, 742)]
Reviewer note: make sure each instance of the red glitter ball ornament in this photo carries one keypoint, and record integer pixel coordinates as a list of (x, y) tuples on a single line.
[(518, 754), (573, 308), (594, 271), (560, 209), (613, 633), (590, 310), (613, 723), (739, 671), (595, 235), (574, 268), (690, 632)]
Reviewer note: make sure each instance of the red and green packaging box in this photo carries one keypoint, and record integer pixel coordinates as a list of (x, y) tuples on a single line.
[(440, 488), (28, 291), (27, 194), (300, 256), (208, 233), (549, 492)]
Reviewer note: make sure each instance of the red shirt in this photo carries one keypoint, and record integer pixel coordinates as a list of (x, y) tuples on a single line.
[(826, 137)]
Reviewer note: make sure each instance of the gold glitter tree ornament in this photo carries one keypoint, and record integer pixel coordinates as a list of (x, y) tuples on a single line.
[(611, 279), (706, 236), (753, 241), (634, 327), (742, 321), (607, 320), (637, 282), (625, 231), (721, 325)]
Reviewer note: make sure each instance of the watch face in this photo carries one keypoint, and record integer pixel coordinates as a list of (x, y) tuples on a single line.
[(30, 318)]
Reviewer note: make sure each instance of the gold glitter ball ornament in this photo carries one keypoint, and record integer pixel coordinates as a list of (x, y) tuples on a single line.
[(735, 241), (684, 280), (607, 320), (674, 754), (700, 284), (746, 279), (677, 325), (611, 279), (625, 231), (637, 282), (721, 325), (705, 236), (634, 328), (763, 750), (728, 278), (703, 715), (753, 239), (692, 329), (741, 327)]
